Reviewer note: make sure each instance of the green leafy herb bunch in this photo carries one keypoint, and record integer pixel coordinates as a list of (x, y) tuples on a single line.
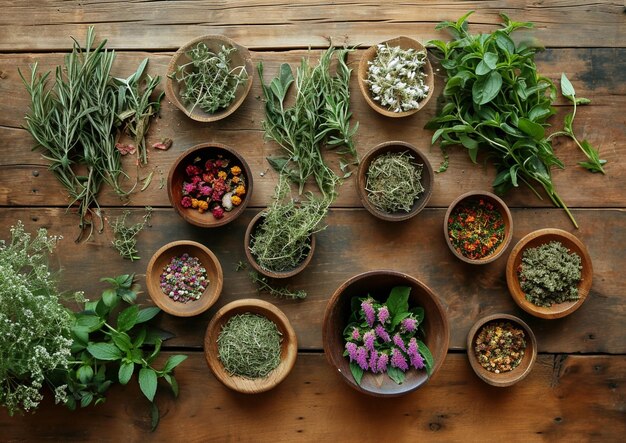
[(384, 337), (496, 102)]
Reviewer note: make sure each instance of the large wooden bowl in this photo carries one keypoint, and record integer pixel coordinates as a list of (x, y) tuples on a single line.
[(378, 284), (162, 258), (176, 177), (256, 220), (504, 211), (505, 378), (289, 346), (426, 181), (533, 240), (370, 54), (240, 57)]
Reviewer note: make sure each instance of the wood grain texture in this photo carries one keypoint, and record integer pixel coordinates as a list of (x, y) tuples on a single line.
[(354, 242), (148, 24), (599, 74), (573, 398)]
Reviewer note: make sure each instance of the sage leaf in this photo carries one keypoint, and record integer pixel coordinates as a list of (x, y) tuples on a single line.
[(148, 382), (428, 357), (529, 127), (357, 372), (127, 318), (86, 399), (154, 417), (398, 301), (104, 351), (125, 372), (396, 375), (173, 361), (486, 89), (109, 297), (147, 314), (172, 382), (567, 89), (84, 374)]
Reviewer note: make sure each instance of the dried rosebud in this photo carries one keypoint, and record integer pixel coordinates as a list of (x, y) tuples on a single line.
[(164, 144), (125, 149)]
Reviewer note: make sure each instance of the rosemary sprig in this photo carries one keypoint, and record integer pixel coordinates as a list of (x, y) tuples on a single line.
[(263, 284), (126, 236)]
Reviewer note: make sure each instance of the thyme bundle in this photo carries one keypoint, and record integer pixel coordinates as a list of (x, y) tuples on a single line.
[(280, 292), (393, 182), (207, 80), (75, 123), (126, 236), (283, 238), (249, 346)]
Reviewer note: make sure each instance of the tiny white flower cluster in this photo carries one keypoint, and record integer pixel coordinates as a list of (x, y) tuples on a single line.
[(396, 78)]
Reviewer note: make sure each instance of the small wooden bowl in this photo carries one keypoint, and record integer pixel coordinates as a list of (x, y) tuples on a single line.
[(176, 178), (272, 274), (505, 378), (240, 57), (162, 258), (533, 240), (289, 346), (506, 216), (370, 54), (426, 181), (379, 283)]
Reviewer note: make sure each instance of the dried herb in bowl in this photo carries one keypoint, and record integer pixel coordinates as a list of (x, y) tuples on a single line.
[(249, 346), (208, 80), (549, 274), (500, 346), (475, 228), (393, 182)]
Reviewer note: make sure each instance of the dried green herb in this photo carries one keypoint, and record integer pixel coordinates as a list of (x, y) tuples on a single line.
[(500, 346), (549, 274), (208, 80), (249, 346), (393, 182), (495, 101), (282, 240), (126, 236), (281, 292)]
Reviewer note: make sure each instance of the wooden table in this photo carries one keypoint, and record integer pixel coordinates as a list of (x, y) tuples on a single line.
[(577, 388)]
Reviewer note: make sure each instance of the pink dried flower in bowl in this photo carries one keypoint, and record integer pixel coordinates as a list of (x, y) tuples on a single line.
[(205, 190), (188, 188), (368, 310), (361, 358), (356, 335), (398, 360), (383, 314), (383, 361), (409, 324), (368, 339), (416, 359), (382, 333), (186, 202), (351, 348), (397, 340), (192, 170), (373, 363), (218, 212)]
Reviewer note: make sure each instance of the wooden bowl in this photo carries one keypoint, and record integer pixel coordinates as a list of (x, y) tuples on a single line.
[(533, 240), (273, 274), (176, 178), (505, 378), (379, 283), (162, 258), (426, 181), (289, 346), (370, 54), (502, 208), (240, 57)]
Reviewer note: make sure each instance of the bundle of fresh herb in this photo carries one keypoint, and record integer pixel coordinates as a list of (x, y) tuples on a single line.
[(282, 240), (550, 274), (35, 338), (384, 337), (126, 236), (393, 182), (320, 116), (207, 80), (495, 101), (75, 122), (249, 346), (396, 78)]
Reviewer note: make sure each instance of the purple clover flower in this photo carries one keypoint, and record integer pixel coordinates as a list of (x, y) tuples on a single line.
[(368, 310), (409, 324), (416, 359), (361, 358), (383, 314), (397, 340), (369, 338), (373, 363), (383, 361), (384, 335), (398, 360), (356, 335), (351, 348)]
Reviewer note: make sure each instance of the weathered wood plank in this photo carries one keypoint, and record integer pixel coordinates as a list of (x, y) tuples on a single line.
[(572, 399), (144, 24), (356, 242), (589, 72)]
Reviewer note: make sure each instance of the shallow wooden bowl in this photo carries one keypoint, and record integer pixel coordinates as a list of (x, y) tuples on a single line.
[(289, 346), (426, 181), (506, 216), (505, 378), (162, 258), (538, 238), (240, 57), (176, 178), (273, 274), (378, 284), (370, 54)]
